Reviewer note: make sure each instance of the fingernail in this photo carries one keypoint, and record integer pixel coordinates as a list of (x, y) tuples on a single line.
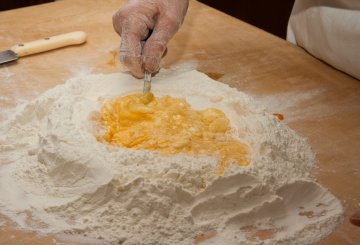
[(151, 64)]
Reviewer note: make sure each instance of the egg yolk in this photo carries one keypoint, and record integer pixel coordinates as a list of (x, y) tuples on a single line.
[(169, 125)]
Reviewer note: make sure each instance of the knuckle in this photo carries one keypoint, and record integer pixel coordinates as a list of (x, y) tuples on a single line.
[(157, 47), (121, 14), (115, 16), (121, 17), (117, 20), (173, 22)]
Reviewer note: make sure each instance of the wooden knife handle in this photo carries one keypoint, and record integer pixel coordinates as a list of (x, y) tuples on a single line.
[(49, 43)]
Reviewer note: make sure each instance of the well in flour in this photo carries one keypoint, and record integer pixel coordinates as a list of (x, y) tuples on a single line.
[(170, 126), (75, 184)]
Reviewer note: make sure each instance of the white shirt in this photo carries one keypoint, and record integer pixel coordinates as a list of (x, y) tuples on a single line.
[(329, 30)]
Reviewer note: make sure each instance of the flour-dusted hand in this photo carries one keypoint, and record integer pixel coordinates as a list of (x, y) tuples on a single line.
[(134, 22)]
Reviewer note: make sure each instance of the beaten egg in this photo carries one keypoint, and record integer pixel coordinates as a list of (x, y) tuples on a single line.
[(171, 126)]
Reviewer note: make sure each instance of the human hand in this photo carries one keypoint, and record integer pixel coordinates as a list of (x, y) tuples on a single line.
[(134, 23)]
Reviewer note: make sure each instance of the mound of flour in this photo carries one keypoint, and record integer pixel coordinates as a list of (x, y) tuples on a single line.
[(63, 180)]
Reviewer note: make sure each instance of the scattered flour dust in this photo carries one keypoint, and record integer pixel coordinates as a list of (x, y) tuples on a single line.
[(70, 183)]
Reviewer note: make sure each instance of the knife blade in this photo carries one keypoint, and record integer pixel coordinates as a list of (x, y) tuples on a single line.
[(42, 45), (7, 56)]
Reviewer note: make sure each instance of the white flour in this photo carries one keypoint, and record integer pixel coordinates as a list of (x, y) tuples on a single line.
[(56, 169)]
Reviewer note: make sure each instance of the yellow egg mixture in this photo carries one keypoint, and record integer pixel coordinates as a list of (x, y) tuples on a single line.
[(171, 126)]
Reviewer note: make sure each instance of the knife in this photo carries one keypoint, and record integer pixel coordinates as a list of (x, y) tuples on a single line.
[(42, 45)]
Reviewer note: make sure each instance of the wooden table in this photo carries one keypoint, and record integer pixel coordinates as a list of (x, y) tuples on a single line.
[(317, 101)]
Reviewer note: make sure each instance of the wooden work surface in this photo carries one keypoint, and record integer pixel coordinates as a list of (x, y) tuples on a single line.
[(317, 101)]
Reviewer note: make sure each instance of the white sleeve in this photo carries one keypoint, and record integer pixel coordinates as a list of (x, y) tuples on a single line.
[(329, 30)]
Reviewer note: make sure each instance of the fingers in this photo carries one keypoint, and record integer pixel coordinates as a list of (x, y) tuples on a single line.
[(169, 20), (153, 52), (155, 46), (132, 29), (130, 54), (133, 22)]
